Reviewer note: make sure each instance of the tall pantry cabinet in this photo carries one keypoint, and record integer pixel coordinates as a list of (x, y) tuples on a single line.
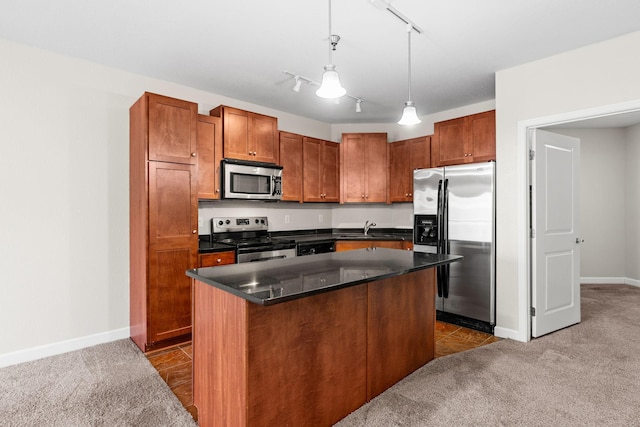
[(163, 219)]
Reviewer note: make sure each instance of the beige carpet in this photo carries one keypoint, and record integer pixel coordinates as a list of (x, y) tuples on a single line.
[(584, 375), (106, 385)]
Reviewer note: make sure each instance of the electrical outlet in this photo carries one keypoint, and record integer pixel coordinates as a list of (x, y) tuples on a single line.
[(320, 218), (287, 219)]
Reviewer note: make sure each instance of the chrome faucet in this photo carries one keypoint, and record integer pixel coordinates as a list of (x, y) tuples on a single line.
[(367, 226)]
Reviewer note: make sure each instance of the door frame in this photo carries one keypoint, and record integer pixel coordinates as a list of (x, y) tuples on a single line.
[(525, 127)]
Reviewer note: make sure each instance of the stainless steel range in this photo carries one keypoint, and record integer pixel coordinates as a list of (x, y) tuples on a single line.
[(251, 238)]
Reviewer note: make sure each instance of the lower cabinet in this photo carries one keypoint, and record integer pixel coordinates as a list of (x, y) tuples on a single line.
[(348, 245), (216, 258)]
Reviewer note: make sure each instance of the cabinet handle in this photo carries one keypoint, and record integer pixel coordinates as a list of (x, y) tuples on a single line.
[(218, 260), (193, 154), (362, 196), (217, 190), (194, 231)]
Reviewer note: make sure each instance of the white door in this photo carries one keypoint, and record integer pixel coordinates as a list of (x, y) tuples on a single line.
[(555, 242)]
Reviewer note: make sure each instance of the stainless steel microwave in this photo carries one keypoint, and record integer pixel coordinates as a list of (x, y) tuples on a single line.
[(247, 180)]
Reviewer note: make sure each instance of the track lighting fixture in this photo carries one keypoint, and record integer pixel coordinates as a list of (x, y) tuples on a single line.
[(296, 87), (331, 87)]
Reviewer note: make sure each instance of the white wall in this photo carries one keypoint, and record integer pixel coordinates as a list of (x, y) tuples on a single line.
[(584, 80), (64, 206), (633, 204), (602, 202)]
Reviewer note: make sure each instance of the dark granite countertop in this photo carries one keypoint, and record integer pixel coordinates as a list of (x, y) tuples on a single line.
[(272, 282), (321, 235)]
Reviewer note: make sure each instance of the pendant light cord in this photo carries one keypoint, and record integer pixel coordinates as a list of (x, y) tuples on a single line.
[(409, 61), (329, 39)]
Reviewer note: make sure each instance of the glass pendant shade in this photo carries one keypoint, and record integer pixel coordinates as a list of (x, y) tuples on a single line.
[(409, 115), (330, 87)]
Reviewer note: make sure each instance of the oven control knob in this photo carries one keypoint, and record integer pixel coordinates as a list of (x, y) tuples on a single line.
[(227, 222), (257, 220), (262, 221), (220, 222)]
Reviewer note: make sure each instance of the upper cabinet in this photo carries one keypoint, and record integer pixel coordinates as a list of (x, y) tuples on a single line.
[(364, 167), (209, 131), (291, 162), (404, 157), (466, 139), (247, 135), (171, 129), (321, 160)]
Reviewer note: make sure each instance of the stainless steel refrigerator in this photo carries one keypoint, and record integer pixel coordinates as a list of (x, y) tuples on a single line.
[(454, 213)]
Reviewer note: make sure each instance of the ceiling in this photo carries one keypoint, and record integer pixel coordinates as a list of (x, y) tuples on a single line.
[(240, 48)]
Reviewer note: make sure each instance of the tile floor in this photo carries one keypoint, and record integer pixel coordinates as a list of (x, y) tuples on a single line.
[(174, 364)]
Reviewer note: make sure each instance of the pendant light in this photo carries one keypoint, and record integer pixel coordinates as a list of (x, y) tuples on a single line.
[(409, 113), (330, 86)]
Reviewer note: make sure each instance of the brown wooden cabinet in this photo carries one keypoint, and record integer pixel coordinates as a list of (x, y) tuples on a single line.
[(364, 167), (247, 135), (349, 245), (291, 162), (466, 139), (171, 129), (321, 182), (163, 219), (209, 134), (215, 259), (404, 157)]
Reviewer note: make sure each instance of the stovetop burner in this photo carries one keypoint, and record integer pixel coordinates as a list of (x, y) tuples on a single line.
[(247, 232)]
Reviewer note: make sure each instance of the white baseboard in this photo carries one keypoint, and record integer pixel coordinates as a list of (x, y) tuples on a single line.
[(509, 333), (66, 346), (609, 281)]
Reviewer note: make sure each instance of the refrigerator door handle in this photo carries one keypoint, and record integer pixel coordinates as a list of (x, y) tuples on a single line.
[(439, 245), (446, 249)]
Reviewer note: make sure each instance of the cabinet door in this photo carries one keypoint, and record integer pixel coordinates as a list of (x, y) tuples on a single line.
[(481, 131), (173, 205), (312, 172), (448, 147), (330, 169), (376, 168), (169, 295), (291, 162), (399, 171), (352, 167), (419, 158), (263, 138), (172, 129), (236, 134), (209, 156), (420, 153)]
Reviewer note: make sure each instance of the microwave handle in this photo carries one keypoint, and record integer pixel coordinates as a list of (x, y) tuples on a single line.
[(276, 185)]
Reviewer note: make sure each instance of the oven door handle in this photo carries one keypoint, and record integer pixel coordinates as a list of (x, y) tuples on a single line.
[(268, 258)]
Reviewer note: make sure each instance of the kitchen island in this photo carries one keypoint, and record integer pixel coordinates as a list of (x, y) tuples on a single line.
[(306, 341)]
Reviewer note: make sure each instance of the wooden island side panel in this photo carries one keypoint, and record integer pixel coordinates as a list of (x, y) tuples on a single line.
[(401, 334), (309, 361)]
